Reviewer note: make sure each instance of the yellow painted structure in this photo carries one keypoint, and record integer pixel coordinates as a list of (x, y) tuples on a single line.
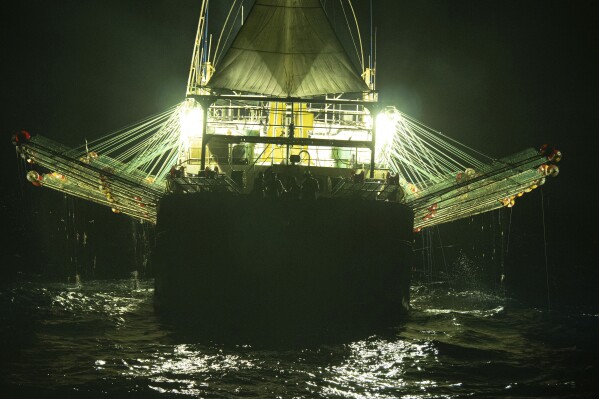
[(279, 117)]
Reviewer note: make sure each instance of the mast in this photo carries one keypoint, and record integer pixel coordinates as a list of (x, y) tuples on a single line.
[(201, 69)]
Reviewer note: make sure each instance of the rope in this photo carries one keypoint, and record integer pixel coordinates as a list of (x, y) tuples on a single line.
[(509, 228), (358, 48), (503, 253), (443, 255), (545, 250), (215, 57)]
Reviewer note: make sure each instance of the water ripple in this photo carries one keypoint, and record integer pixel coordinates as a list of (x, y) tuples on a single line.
[(104, 338)]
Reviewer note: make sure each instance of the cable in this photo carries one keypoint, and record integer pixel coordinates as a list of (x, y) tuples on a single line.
[(545, 250)]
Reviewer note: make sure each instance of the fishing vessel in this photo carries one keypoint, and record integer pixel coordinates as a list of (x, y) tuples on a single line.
[(282, 192)]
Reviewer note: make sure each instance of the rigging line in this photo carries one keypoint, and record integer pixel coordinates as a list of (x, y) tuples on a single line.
[(374, 62), (205, 49), (493, 249), (351, 34), (215, 57), (430, 134), (130, 146), (423, 252), (509, 228), (443, 254), (123, 145), (431, 254), (416, 161), (132, 126), (437, 139), (443, 135), (169, 143), (406, 161), (439, 164), (371, 48), (360, 52), (196, 59), (545, 250), (153, 160), (222, 30), (168, 163), (502, 243), (21, 169), (159, 161), (143, 152), (411, 175), (415, 144), (434, 154), (148, 150), (426, 154), (138, 133)]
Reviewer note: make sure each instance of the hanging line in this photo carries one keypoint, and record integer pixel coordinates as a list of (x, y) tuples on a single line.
[(545, 250)]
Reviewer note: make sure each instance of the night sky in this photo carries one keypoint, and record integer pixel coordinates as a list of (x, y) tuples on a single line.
[(499, 76)]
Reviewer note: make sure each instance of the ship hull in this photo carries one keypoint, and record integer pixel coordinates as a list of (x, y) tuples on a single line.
[(238, 264)]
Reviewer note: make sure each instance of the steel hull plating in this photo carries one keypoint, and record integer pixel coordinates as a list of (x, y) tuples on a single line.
[(233, 262)]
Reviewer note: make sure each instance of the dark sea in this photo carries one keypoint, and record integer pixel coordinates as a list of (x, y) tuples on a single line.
[(103, 339)]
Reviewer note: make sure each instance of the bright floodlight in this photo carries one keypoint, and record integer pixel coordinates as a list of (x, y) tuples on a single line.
[(191, 120), (385, 131)]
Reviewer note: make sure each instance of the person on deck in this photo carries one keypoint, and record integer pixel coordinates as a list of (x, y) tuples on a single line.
[(273, 187), (294, 190), (310, 186), (258, 188), (358, 177)]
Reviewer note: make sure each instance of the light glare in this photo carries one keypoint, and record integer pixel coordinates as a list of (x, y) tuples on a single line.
[(385, 131), (191, 120)]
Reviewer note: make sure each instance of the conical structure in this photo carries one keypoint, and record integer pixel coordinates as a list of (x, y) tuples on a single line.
[(287, 48)]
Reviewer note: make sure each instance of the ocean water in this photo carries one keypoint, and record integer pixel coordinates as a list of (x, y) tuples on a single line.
[(103, 339)]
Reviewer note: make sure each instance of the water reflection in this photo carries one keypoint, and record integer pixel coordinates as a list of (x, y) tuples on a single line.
[(377, 368), (105, 337)]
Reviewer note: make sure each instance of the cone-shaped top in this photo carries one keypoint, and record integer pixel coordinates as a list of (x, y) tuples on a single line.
[(287, 48)]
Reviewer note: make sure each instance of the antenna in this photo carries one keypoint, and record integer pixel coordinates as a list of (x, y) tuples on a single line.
[(209, 48), (371, 60), (374, 62)]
